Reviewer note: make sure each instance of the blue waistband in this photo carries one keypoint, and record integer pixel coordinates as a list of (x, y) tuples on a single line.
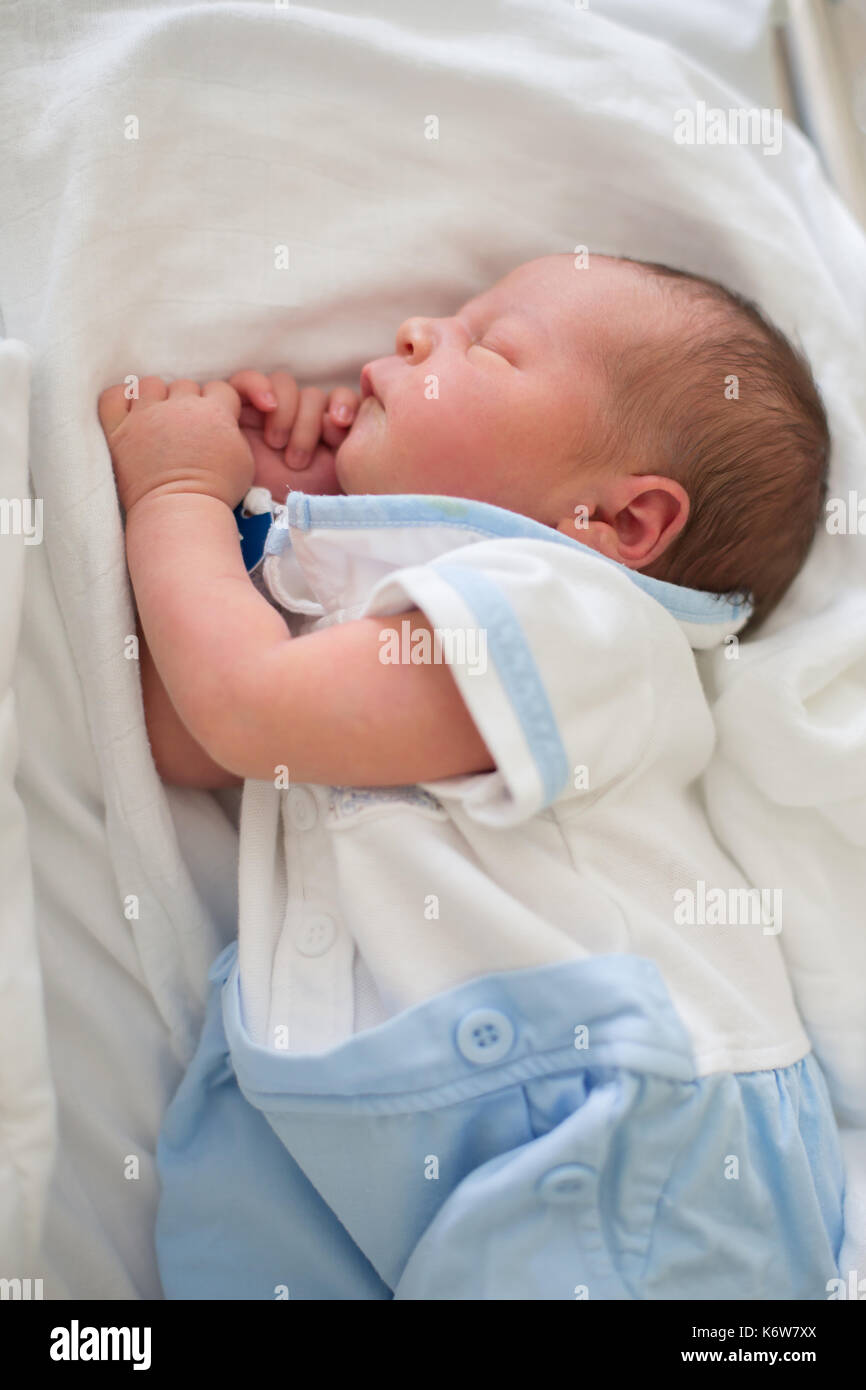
[(597, 1011)]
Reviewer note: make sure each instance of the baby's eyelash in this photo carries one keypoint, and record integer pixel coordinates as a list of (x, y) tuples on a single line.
[(477, 340), (495, 350)]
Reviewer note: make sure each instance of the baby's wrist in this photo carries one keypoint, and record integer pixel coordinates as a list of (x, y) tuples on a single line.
[(175, 488)]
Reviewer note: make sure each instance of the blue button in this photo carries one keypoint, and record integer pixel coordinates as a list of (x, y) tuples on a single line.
[(566, 1183), (485, 1035)]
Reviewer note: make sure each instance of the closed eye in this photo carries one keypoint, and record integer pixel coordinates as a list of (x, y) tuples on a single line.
[(488, 347), (488, 339)]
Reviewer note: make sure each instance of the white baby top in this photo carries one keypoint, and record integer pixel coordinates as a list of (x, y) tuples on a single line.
[(589, 838)]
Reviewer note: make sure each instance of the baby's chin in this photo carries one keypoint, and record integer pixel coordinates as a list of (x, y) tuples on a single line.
[(356, 468), (366, 462), (343, 465), (358, 459)]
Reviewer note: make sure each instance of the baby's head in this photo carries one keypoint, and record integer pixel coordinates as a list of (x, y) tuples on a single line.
[(654, 416)]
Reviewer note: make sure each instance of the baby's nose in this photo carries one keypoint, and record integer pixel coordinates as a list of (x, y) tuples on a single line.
[(413, 338)]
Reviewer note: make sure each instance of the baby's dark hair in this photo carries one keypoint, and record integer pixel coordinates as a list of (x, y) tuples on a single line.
[(730, 410)]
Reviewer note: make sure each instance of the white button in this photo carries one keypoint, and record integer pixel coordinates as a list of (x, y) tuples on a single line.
[(316, 935), (566, 1183), (303, 811), (485, 1035)]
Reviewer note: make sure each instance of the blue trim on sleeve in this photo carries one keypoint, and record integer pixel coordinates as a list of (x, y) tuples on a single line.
[(517, 671), (356, 510)]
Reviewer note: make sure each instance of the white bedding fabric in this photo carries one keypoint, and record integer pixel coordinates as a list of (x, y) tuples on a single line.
[(262, 125), (27, 1109)]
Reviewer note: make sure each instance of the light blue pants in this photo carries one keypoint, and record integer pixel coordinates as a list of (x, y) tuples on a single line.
[(534, 1134)]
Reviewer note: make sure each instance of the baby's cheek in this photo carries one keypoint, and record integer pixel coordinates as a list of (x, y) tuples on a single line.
[(459, 465), (432, 453)]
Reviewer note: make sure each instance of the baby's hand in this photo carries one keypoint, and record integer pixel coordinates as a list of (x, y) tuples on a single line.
[(176, 438), (293, 432)]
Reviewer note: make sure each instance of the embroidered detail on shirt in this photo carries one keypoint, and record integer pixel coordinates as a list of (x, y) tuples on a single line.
[(345, 803)]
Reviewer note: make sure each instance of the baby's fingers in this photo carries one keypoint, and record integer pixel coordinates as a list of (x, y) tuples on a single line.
[(342, 409), (113, 408), (254, 387), (343, 405), (307, 428), (280, 422), (226, 394)]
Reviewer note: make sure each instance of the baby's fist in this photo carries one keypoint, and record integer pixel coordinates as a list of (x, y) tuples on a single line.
[(177, 438)]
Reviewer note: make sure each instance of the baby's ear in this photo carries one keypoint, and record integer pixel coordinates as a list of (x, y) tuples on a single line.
[(590, 531), (577, 526), (635, 521)]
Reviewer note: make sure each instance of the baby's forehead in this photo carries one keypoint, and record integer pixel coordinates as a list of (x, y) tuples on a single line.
[(566, 300)]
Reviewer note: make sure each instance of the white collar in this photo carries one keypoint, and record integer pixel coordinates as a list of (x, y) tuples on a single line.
[(343, 544)]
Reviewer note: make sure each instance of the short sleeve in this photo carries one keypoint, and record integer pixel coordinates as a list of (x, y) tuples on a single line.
[(551, 649)]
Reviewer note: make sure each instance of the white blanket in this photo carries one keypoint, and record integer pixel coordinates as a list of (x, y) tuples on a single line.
[(155, 160)]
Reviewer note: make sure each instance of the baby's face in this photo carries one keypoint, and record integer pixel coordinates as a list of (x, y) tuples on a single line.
[(497, 402)]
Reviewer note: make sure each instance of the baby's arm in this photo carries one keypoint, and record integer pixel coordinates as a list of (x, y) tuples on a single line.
[(280, 416), (256, 699), (179, 760), (324, 706)]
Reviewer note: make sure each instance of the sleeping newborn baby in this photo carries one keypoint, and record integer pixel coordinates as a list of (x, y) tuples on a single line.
[(503, 1021)]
